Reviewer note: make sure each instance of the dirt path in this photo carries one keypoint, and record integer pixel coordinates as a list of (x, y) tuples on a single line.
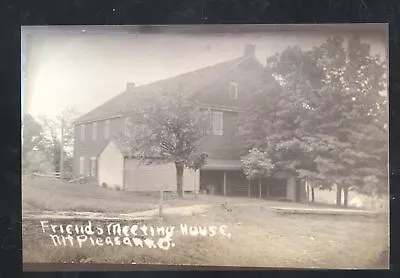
[(177, 211), (283, 208)]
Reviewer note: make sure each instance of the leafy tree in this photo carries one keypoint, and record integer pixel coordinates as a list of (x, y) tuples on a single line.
[(167, 129), (65, 121), (352, 112), (32, 134), (54, 129), (274, 121), (256, 164), (33, 142), (327, 124)]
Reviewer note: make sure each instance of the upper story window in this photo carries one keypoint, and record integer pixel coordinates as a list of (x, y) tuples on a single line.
[(94, 131), (217, 122), (233, 90), (83, 133), (107, 129), (126, 126)]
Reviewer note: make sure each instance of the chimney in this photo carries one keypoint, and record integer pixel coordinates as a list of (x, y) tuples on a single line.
[(249, 50), (130, 86)]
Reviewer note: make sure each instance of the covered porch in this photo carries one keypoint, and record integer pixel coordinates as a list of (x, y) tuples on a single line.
[(225, 178)]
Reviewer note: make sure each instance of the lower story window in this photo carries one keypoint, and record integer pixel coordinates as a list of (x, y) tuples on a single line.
[(93, 164), (81, 165)]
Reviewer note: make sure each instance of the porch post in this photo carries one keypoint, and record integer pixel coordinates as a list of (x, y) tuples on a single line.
[(198, 180), (248, 188), (307, 190), (224, 183), (259, 184), (194, 183)]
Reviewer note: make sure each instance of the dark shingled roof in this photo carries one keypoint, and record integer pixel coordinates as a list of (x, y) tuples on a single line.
[(189, 83)]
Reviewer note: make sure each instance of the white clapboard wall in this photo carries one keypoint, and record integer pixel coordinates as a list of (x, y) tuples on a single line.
[(156, 177)]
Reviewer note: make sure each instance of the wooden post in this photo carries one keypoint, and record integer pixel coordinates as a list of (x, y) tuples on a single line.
[(260, 187), (161, 203), (62, 150), (248, 188), (307, 191), (194, 183), (345, 196), (312, 194), (338, 195), (198, 180), (224, 183)]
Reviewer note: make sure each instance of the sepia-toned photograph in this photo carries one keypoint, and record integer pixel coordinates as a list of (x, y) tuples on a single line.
[(216, 145)]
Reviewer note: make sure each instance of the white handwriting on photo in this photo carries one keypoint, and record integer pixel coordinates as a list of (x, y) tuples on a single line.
[(116, 234)]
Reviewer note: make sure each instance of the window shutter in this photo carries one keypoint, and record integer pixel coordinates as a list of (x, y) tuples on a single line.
[(94, 131), (107, 129), (217, 120), (83, 133), (126, 126)]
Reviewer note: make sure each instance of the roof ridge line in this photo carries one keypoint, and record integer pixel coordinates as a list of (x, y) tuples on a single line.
[(240, 60), (237, 61), (190, 72)]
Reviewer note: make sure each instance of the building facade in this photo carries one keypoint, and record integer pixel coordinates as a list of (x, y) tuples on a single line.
[(224, 90)]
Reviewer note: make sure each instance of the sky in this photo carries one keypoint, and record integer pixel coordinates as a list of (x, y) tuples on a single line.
[(83, 67)]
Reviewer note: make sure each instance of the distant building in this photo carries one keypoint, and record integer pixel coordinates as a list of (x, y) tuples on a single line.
[(224, 90)]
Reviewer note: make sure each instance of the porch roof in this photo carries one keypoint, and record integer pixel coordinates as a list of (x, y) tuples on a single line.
[(222, 164)]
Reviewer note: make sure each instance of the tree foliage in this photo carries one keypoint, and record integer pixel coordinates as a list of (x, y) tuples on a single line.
[(53, 128), (328, 123), (33, 144), (256, 164), (352, 111), (41, 146), (167, 129)]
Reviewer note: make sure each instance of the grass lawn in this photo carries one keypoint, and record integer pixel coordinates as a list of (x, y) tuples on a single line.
[(40, 194), (259, 237)]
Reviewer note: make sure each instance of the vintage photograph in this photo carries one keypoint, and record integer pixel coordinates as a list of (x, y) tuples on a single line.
[(213, 145)]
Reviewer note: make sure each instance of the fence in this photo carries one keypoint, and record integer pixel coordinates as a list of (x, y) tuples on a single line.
[(53, 175), (82, 180)]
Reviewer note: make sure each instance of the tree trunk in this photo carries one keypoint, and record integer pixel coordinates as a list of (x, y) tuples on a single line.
[(260, 188), (224, 185), (179, 178), (307, 188), (312, 194), (338, 195), (345, 196), (56, 162)]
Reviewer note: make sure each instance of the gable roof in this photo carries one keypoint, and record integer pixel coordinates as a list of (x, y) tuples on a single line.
[(191, 82)]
